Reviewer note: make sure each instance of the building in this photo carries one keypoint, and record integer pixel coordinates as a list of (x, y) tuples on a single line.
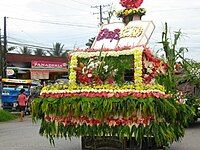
[(35, 67)]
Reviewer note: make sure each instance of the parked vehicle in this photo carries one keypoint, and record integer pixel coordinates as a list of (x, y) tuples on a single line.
[(11, 89)]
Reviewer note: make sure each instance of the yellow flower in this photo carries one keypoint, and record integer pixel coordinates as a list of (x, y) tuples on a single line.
[(126, 12)]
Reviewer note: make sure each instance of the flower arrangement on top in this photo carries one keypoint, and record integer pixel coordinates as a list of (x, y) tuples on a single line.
[(132, 8)]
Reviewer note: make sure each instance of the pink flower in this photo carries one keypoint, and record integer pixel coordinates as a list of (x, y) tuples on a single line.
[(131, 3)]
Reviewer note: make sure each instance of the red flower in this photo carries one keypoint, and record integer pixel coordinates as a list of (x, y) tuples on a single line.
[(131, 3)]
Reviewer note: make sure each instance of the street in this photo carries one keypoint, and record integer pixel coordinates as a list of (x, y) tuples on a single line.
[(16, 135)]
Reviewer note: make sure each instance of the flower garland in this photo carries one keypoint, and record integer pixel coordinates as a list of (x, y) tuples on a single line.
[(110, 121), (135, 91), (103, 88), (72, 75), (90, 94), (103, 49), (84, 54), (138, 66)]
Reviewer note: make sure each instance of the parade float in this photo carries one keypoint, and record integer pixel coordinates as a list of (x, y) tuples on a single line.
[(114, 98)]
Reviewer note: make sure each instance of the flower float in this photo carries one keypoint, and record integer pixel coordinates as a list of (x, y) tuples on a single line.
[(113, 92), (94, 104)]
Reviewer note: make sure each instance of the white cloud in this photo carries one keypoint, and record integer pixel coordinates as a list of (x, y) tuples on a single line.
[(180, 14)]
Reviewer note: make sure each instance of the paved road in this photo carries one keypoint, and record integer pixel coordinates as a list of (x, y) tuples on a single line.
[(16, 135)]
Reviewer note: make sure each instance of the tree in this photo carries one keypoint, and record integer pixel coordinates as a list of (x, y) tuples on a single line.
[(39, 52), (90, 42), (110, 14), (58, 50), (25, 50)]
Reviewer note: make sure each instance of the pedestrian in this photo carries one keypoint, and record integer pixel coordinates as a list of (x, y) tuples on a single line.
[(22, 101)]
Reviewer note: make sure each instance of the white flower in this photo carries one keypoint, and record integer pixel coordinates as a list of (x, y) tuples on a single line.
[(89, 75), (106, 68)]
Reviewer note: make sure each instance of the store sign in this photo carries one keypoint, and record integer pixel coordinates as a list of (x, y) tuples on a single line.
[(48, 64), (16, 81), (10, 72), (39, 74), (113, 35)]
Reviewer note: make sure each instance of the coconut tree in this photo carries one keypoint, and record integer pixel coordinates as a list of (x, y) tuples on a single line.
[(58, 50), (90, 42), (39, 52), (25, 50)]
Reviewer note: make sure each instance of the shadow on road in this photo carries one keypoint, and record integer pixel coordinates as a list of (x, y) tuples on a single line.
[(194, 125)]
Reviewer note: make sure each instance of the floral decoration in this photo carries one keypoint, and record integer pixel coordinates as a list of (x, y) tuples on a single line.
[(97, 50), (131, 3), (138, 66), (146, 66), (96, 71), (110, 121), (105, 52), (72, 75), (130, 12), (152, 66), (106, 34), (131, 31)]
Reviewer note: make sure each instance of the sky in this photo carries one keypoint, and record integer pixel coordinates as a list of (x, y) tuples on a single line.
[(73, 22)]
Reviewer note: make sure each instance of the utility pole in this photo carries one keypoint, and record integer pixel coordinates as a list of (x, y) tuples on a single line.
[(1, 72), (4, 49), (100, 7), (1, 57)]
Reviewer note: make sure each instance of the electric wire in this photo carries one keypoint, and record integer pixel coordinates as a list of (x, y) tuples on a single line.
[(54, 23)]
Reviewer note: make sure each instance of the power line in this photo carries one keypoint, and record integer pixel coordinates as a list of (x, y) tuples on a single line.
[(195, 8), (22, 40), (54, 23), (29, 45), (100, 7)]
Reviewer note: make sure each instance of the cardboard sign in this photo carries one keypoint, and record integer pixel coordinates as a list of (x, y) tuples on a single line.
[(113, 35)]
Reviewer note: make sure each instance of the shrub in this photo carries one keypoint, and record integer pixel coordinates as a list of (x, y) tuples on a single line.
[(5, 116)]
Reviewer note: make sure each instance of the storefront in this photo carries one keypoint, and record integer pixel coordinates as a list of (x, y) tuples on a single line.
[(47, 70), (23, 66)]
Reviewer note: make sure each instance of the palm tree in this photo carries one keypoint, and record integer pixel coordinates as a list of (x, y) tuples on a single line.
[(39, 52), (25, 50), (90, 42), (58, 50)]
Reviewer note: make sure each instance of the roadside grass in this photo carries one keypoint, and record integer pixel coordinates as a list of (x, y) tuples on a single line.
[(6, 116)]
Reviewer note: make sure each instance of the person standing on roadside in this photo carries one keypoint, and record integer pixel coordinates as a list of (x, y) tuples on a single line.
[(22, 101)]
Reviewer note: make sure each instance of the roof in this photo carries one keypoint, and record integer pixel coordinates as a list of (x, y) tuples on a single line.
[(10, 57)]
